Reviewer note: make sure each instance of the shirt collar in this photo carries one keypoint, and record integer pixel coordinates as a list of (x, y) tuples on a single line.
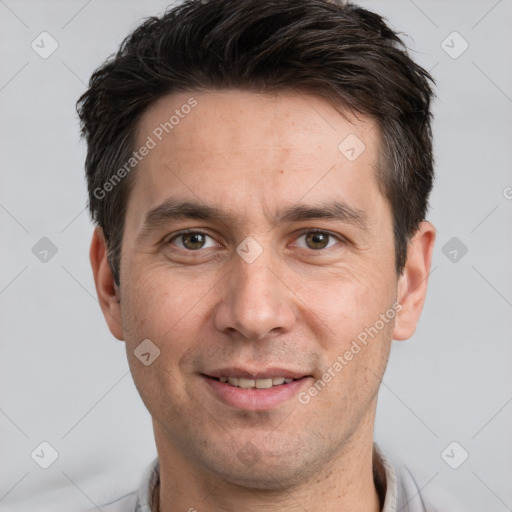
[(149, 482)]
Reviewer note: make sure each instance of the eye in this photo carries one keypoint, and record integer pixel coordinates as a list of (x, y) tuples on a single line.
[(317, 240), (192, 240)]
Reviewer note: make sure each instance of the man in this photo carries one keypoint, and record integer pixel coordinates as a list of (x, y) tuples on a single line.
[(259, 174)]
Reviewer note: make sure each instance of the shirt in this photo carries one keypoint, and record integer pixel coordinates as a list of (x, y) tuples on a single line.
[(397, 490)]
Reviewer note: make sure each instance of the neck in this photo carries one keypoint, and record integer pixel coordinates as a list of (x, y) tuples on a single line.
[(344, 482)]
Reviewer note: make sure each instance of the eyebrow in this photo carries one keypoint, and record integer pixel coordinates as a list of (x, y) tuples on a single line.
[(174, 210)]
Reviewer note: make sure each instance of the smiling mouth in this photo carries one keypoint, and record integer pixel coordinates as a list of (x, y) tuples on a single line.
[(244, 383)]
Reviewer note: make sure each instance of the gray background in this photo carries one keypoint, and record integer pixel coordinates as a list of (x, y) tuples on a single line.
[(65, 380)]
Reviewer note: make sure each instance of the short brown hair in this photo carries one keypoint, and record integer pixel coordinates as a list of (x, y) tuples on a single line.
[(335, 49)]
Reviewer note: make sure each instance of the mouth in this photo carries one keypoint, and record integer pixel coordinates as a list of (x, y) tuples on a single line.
[(245, 383), (255, 391)]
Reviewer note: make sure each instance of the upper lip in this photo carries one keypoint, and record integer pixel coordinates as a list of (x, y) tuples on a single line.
[(246, 373)]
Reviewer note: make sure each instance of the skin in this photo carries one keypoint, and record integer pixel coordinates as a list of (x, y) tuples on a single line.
[(296, 306)]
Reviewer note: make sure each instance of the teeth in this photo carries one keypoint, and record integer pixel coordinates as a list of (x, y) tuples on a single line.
[(264, 383), (244, 383)]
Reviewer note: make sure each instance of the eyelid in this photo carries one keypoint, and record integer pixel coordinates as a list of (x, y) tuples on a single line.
[(303, 231), (170, 237)]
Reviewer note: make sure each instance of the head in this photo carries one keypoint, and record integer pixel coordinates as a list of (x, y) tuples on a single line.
[(292, 140)]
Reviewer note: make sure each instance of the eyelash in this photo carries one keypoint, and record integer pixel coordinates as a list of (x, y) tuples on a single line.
[(303, 232)]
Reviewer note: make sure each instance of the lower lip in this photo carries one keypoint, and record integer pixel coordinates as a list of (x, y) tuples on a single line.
[(255, 399)]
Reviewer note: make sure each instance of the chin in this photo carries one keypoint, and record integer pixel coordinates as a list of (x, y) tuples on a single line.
[(263, 473), (264, 478)]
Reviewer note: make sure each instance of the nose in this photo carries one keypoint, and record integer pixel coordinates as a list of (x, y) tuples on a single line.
[(255, 301)]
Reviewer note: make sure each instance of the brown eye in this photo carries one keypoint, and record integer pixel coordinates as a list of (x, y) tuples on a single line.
[(316, 240), (192, 241)]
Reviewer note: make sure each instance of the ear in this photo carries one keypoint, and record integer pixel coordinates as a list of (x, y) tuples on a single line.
[(412, 284), (106, 289)]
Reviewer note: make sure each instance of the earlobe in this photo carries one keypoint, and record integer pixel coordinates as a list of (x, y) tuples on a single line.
[(106, 289), (412, 284)]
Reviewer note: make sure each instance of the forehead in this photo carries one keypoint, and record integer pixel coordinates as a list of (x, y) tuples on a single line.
[(249, 151), (283, 120)]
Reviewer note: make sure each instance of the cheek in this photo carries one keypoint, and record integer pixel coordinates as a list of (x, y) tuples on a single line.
[(158, 304), (172, 311), (356, 350), (359, 315), (162, 311), (348, 303)]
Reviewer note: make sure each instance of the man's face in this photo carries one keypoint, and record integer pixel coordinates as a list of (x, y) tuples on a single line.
[(288, 302)]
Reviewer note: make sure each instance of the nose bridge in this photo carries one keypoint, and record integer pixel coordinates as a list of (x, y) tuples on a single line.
[(255, 301), (256, 282)]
